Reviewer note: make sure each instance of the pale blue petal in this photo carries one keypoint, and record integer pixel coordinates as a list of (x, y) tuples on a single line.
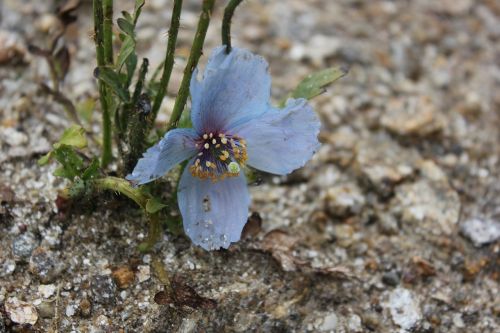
[(234, 86), (281, 140), (213, 213), (176, 146)]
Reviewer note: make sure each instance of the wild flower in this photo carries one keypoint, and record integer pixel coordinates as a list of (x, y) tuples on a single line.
[(233, 125)]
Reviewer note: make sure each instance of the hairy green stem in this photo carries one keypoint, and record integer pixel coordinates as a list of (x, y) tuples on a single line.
[(104, 93), (168, 63), (98, 34), (154, 233), (226, 23), (140, 123), (194, 57), (107, 29), (123, 187)]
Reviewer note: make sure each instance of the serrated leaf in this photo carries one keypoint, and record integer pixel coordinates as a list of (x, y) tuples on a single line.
[(126, 49), (126, 26), (44, 159), (315, 83), (74, 137), (154, 205), (71, 162), (112, 79), (91, 171)]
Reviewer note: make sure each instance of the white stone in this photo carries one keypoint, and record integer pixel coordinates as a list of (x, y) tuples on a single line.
[(70, 310), (143, 273), (330, 322), (46, 290), (13, 137), (404, 309), (354, 324), (21, 312), (481, 231)]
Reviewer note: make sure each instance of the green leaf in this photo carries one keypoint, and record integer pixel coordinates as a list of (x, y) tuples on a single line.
[(71, 162), (315, 83), (127, 16), (138, 8), (44, 159), (91, 171), (126, 26), (154, 205), (112, 79), (85, 109), (127, 48), (131, 64), (74, 137)]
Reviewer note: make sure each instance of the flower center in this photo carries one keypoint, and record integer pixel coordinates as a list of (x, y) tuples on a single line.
[(220, 155)]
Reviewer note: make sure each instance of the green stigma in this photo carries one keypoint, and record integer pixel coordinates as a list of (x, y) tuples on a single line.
[(233, 167)]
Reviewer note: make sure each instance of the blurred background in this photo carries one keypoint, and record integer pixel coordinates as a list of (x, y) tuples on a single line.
[(392, 227)]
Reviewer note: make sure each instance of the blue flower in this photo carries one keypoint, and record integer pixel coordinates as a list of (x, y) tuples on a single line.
[(233, 125)]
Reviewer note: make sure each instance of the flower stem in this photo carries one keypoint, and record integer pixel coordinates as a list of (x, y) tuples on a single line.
[(123, 187), (107, 30), (140, 122), (168, 63), (194, 57), (226, 23), (104, 93), (154, 233)]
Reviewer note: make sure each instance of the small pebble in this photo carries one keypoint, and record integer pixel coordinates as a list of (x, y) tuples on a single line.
[(46, 290), (7, 267), (103, 289), (21, 312), (46, 309), (23, 245), (354, 324), (85, 308), (123, 276), (44, 265), (390, 278), (481, 231)]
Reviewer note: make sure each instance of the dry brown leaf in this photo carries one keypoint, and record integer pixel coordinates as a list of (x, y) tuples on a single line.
[(423, 267), (182, 294)]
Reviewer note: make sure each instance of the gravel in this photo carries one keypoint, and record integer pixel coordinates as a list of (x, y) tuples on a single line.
[(366, 237), (404, 309), (481, 231)]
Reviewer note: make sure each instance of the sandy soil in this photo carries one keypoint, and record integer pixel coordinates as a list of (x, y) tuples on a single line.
[(394, 226)]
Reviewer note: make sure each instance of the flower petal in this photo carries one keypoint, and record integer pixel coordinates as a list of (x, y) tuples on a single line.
[(213, 213), (280, 141), (235, 86), (176, 146)]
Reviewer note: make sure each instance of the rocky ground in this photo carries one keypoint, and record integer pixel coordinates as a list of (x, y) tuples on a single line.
[(393, 227)]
